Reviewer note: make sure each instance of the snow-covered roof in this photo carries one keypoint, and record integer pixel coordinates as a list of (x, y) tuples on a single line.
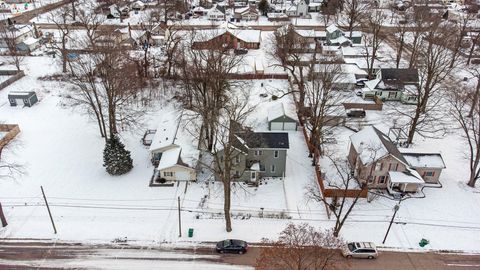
[(351, 68), (166, 130), (332, 28), (405, 178), (372, 145), (31, 41), (276, 111), (245, 35), (424, 160), (340, 40), (355, 51), (169, 158), (345, 78), (371, 84), (306, 33)]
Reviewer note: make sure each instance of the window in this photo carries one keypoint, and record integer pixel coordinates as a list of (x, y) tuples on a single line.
[(272, 168), (237, 159), (253, 175), (167, 173), (378, 167), (237, 173), (262, 167), (429, 174), (258, 152), (382, 179), (275, 154), (370, 179)]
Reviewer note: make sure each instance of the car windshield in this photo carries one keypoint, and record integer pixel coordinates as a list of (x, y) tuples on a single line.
[(351, 247), (226, 243)]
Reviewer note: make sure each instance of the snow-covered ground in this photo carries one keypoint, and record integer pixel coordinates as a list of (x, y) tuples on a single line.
[(61, 150)]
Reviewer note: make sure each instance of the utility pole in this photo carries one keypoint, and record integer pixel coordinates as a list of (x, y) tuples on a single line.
[(179, 219), (49, 213), (2, 217), (395, 208)]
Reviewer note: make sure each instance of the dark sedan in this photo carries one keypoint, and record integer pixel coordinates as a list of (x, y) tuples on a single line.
[(232, 246)]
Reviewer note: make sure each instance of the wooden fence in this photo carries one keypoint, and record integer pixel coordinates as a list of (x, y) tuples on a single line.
[(16, 75), (11, 130), (326, 192)]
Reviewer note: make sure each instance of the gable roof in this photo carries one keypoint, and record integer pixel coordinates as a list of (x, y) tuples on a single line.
[(332, 28), (399, 75), (169, 158), (274, 140), (276, 111), (371, 145), (220, 8)]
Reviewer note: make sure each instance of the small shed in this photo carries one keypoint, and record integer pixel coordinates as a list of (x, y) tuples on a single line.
[(29, 98), (278, 119)]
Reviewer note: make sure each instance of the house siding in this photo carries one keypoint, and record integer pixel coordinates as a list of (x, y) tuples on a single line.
[(386, 164), (429, 179), (176, 169)]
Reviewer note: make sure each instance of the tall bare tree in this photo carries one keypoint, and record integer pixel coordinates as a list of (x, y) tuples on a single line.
[(205, 77), (354, 10), (462, 103), (373, 39), (322, 99), (434, 68), (460, 29), (300, 247), (401, 30), (9, 36), (288, 51), (342, 205), (233, 117), (61, 18)]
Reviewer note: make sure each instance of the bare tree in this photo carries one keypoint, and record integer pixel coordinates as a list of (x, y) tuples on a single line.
[(9, 36), (354, 11), (461, 101), (288, 50), (61, 18), (108, 87), (9, 169), (475, 38), (373, 39), (205, 77), (434, 68), (225, 154), (401, 30), (322, 99), (341, 206), (173, 41), (460, 30), (300, 247)]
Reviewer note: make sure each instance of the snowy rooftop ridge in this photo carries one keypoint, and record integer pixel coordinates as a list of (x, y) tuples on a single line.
[(276, 111), (424, 160), (169, 158), (371, 145)]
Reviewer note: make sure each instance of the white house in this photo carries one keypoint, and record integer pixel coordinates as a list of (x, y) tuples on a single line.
[(217, 13), (298, 10)]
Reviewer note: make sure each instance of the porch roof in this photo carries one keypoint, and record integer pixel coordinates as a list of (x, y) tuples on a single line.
[(406, 177)]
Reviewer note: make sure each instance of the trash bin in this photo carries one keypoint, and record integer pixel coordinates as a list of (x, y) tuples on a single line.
[(190, 232), (423, 242)]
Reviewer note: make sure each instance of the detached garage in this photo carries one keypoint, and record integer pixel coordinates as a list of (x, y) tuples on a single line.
[(278, 119)]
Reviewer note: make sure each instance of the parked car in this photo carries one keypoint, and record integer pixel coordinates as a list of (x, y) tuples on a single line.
[(364, 250), (361, 82), (232, 246), (356, 113), (240, 51)]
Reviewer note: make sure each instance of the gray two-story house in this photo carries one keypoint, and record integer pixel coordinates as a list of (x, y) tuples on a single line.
[(258, 155)]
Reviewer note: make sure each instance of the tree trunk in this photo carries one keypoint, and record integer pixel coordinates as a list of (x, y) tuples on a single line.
[(472, 181), (413, 127), (227, 203), (475, 98), (471, 53), (399, 52), (2, 217)]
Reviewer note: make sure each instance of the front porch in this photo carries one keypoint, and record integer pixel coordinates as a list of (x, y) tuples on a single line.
[(404, 182)]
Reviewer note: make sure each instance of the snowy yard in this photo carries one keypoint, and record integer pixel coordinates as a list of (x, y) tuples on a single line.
[(62, 151)]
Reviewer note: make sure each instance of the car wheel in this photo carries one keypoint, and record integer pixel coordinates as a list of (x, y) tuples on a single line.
[(349, 256), (240, 252), (221, 251), (370, 257)]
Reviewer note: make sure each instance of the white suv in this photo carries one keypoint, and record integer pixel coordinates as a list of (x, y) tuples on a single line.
[(365, 250)]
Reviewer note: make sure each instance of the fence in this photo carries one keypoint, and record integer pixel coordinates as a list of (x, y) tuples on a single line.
[(326, 192), (10, 130), (376, 106), (16, 75), (257, 76)]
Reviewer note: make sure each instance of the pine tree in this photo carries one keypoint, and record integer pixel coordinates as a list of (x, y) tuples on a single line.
[(263, 6), (116, 159)]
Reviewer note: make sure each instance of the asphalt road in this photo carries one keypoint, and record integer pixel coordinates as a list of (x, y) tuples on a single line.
[(49, 255)]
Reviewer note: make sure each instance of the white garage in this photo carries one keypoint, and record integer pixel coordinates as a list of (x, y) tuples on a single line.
[(278, 119)]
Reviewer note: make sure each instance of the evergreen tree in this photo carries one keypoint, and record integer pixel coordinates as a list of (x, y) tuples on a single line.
[(263, 6), (116, 159)]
